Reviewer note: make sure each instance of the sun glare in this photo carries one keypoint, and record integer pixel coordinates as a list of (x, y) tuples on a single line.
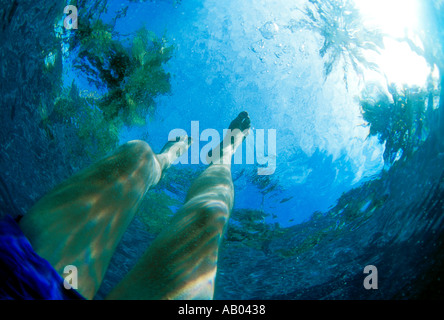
[(397, 19), (401, 65), (393, 16)]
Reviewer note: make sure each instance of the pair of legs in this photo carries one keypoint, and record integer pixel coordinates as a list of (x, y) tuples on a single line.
[(82, 220)]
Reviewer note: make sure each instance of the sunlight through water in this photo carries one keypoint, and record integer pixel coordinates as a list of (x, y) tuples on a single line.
[(398, 20), (346, 106)]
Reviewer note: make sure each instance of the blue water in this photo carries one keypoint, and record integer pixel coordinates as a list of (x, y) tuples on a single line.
[(217, 74), (333, 205)]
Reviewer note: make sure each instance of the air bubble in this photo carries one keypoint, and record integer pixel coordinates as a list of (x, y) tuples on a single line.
[(269, 30)]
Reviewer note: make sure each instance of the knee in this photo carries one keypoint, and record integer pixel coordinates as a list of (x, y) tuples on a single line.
[(137, 151), (137, 148), (134, 157)]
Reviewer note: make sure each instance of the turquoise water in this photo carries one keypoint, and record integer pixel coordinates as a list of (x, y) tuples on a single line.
[(348, 188)]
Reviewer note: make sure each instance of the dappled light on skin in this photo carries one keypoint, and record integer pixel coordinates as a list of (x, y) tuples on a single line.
[(197, 289), (223, 190), (196, 266), (81, 222), (182, 261)]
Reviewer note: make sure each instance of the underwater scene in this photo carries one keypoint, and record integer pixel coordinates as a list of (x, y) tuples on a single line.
[(338, 185)]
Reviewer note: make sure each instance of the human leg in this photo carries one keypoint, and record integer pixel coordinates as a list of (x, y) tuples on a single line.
[(182, 261), (82, 220)]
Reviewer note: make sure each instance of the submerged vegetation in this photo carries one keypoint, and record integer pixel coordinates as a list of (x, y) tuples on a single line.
[(132, 77), (125, 74), (75, 118), (405, 117), (402, 119), (345, 38)]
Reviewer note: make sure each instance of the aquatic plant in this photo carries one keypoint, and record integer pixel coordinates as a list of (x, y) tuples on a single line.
[(400, 120), (128, 79), (345, 38), (127, 72), (75, 118), (132, 77), (431, 35)]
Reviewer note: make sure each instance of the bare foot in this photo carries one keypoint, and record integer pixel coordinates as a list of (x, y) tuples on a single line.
[(173, 150), (237, 132)]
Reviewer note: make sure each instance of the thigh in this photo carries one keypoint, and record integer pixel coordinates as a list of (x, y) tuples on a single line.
[(182, 261), (82, 220)]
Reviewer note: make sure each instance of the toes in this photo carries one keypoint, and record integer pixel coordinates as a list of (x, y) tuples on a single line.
[(243, 114), (241, 122), (246, 123)]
